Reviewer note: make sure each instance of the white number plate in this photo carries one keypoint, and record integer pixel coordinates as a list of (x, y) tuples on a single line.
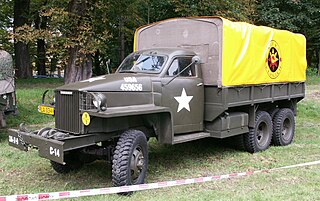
[(131, 87)]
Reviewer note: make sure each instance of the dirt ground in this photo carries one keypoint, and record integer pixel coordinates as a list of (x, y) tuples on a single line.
[(313, 93)]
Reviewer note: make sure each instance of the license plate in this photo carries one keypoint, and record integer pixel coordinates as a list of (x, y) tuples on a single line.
[(46, 109)]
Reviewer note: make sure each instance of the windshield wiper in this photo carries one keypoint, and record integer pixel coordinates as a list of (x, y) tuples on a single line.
[(143, 60)]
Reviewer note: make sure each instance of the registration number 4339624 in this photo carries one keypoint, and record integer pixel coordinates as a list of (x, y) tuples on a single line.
[(46, 109)]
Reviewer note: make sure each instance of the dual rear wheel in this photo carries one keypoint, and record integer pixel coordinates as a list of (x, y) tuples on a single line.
[(279, 130)]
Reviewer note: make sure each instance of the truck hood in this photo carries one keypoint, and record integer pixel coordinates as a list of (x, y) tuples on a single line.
[(112, 83)]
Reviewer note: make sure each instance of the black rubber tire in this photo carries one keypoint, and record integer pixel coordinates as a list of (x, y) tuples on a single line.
[(72, 164), (283, 127), (259, 138), (273, 112), (130, 159)]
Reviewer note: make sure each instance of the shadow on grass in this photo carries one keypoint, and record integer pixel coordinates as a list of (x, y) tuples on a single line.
[(163, 159), (3, 135)]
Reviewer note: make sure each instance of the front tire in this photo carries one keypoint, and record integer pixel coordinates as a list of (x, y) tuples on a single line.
[(130, 159), (283, 127), (259, 138), (72, 164)]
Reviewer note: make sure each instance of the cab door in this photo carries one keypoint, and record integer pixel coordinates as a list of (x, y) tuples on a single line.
[(184, 95)]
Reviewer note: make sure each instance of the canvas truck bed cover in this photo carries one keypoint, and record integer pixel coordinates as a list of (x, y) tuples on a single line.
[(232, 53)]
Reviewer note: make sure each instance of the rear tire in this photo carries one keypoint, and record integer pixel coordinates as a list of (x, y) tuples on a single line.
[(259, 137), (283, 127), (130, 159), (72, 164)]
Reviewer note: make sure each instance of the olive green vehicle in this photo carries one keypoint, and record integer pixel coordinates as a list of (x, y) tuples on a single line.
[(7, 87), (172, 88)]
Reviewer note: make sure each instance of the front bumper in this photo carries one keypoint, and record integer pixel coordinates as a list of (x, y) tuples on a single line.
[(53, 149), (48, 148)]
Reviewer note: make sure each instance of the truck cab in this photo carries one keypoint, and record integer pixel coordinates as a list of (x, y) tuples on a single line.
[(177, 84)]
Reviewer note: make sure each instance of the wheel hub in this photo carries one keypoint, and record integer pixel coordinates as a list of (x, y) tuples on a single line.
[(286, 129), (262, 133), (137, 163)]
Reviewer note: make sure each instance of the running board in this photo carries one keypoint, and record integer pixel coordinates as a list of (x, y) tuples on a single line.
[(189, 137)]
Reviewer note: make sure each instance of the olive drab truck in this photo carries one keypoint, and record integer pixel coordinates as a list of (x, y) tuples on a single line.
[(7, 87), (187, 79)]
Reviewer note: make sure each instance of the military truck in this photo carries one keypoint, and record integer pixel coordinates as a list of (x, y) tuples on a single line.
[(7, 87), (187, 79)]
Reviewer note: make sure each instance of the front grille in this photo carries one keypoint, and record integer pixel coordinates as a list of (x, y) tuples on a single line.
[(86, 101), (67, 115)]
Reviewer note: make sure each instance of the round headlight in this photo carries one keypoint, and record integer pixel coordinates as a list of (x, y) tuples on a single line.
[(99, 101), (96, 103)]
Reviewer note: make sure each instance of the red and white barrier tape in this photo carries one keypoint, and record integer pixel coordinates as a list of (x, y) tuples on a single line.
[(113, 190)]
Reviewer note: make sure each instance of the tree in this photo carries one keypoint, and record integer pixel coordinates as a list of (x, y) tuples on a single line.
[(243, 10), (6, 16), (21, 49), (80, 36), (40, 24), (74, 35), (79, 63), (124, 17)]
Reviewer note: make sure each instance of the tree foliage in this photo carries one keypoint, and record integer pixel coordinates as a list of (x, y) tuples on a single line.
[(6, 23), (82, 34)]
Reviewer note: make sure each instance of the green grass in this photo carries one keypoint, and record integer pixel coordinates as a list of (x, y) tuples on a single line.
[(22, 172)]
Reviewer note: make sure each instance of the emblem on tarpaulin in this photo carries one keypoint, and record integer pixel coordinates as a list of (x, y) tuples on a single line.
[(273, 60)]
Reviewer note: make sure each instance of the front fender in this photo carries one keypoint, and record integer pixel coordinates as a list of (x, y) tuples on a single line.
[(122, 118)]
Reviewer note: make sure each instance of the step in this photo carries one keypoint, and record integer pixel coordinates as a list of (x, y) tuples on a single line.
[(189, 137)]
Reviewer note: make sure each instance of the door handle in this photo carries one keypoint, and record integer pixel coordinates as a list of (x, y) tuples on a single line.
[(199, 84)]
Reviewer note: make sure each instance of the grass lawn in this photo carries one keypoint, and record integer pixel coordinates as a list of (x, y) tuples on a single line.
[(22, 172)]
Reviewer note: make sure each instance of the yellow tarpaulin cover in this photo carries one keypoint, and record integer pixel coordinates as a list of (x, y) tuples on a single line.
[(232, 53), (260, 55)]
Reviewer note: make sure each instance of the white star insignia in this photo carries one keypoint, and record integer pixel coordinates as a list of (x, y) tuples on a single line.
[(94, 79), (183, 101)]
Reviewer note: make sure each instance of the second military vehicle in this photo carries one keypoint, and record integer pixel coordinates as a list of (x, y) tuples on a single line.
[(7, 87)]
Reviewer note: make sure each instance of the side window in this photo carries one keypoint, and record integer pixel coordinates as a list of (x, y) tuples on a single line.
[(179, 64)]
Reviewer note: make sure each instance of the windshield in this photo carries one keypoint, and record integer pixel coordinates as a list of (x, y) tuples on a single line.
[(138, 62)]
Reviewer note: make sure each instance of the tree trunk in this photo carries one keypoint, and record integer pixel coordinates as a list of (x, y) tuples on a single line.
[(79, 65), (41, 60), (21, 50), (97, 68), (318, 60), (41, 23), (122, 41), (53, 65)]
